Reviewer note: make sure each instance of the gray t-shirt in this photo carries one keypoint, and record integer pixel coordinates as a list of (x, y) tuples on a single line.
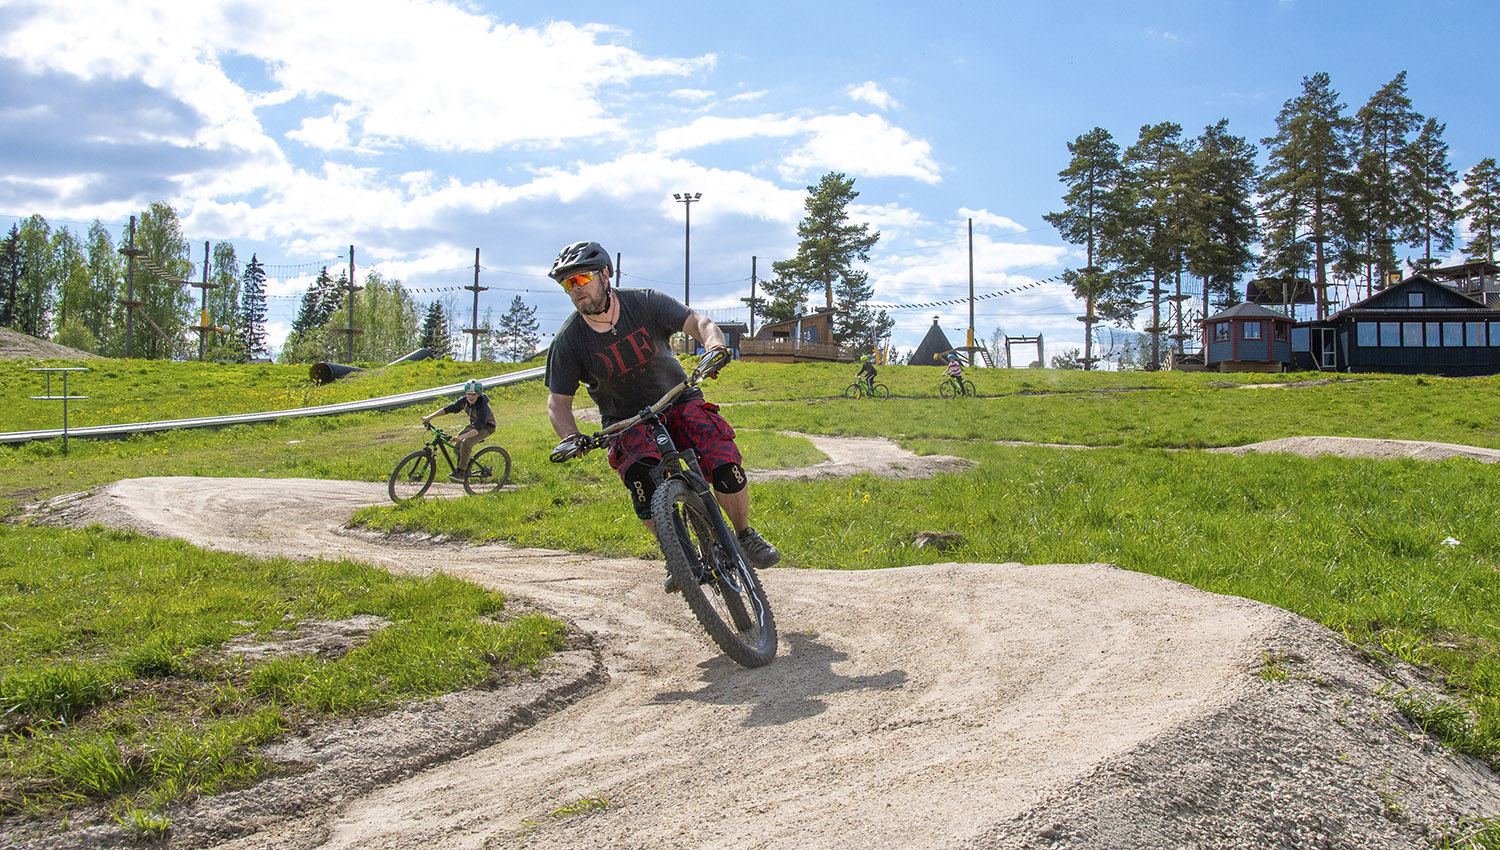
[(626, 369)]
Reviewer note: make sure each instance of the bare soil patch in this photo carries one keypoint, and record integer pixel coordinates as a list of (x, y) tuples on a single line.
[(940, 706), (15, 345), (1360, 447)]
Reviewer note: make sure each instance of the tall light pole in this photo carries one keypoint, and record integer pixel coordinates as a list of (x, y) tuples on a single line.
[(686, 199)]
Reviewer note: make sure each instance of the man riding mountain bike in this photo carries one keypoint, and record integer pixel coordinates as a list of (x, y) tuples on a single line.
[(481, 424), (616, 345)]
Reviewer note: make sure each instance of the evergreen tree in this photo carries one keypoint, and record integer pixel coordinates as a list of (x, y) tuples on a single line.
[(10, 275), (1378, 196), (435, 332), (519, 331), (1094, 217), (489, 349), (1222, 228), (1155, 170), (1429, 185), (829, 247), (1481, 208), (250, 331), (1306, 178), (318, 303)]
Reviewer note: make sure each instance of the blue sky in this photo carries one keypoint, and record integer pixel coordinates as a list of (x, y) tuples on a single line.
[(420, 130)]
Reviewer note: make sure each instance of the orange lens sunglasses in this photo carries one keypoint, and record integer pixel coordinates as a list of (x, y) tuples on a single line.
[(572, 282)]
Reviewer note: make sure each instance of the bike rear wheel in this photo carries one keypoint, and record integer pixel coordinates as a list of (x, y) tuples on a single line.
[(880, 391), (969, 389), (719, 585), (945, 389), (489, 469), (412, 476)]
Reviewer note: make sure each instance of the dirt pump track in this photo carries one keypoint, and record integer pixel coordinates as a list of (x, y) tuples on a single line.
[(946, 705)]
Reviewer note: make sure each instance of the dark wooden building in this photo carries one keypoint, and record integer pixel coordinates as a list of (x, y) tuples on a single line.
[(1418, 326), (1247, 338), (803, 339)]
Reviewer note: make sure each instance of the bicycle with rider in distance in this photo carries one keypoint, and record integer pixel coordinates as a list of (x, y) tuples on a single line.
[(864, 388), (720, 586), (488, 470), (954, 387)]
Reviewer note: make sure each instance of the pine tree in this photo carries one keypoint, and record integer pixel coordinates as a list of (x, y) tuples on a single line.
[(519, 331), (1094, 218), (250, 332), (435, 332), (1155, 170), (1481, 208), (1429, 185), (318, 303), (1378, 195), (829, 247), (1305, 180), (1222, 227)]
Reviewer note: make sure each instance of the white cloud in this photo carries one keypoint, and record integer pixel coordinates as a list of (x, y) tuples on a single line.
[(696, 95), (987, 219), (863, 145), (873, 94)]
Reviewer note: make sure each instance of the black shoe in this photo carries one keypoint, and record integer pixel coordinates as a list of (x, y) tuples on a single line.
[(457, 477), (760, 553)]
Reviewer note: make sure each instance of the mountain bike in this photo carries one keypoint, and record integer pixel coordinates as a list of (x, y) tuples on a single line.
[(720, 587), (952, 387), (489, 468), (866, 389)]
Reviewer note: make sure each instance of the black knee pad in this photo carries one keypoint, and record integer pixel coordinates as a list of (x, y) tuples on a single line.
[(729, 478), (638, 481)]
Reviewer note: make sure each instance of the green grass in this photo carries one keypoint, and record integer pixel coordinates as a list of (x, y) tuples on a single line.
[(115, 687), (1354, 544)]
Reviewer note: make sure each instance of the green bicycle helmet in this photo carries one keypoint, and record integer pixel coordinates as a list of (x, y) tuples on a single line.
[(473, 387), (864, 358)]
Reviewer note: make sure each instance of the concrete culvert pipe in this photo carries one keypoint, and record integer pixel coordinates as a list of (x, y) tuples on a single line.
[(419, 354), (327, 373)]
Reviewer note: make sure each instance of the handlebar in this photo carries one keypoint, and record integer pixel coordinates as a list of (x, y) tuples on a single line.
[(581, 444)]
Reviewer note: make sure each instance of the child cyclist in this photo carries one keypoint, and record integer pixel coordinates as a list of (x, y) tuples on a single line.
[(866, 373)]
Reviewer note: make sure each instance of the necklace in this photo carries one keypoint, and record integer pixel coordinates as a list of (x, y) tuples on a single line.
[(611, 315)]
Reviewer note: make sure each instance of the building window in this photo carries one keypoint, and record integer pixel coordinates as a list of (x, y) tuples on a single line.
[(1414, 299), (1494, 333), (1411, 334), (1365, 335), (1278, 331), (1390, 334), (1434, 334), (1252, 330), (1221, 332), (1474, 333), (1453, 334)]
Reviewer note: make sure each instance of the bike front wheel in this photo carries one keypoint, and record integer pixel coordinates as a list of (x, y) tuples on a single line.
[(412, 476), (719, 585), (945, 389), (880, 391), (852, 391), (489, 469)]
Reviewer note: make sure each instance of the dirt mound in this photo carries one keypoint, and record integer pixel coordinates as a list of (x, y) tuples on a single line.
[(947, 705), (1360, 447), (18, 346)]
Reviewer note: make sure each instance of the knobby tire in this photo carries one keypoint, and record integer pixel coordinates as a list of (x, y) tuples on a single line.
[(489, 469), (732, 608), (852, 391), (945, 389), (969, 389), (881, 391), (412, 476)]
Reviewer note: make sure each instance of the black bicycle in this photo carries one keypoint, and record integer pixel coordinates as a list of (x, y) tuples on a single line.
[(489, 468), (952, 387), (716, 578)]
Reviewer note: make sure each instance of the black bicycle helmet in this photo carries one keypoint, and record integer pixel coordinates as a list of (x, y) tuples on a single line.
[(581, 257)]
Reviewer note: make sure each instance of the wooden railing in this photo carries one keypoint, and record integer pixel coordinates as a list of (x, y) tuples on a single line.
[(790, 348)]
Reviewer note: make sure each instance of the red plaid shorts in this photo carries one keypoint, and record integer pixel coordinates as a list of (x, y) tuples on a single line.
[(693, 424)]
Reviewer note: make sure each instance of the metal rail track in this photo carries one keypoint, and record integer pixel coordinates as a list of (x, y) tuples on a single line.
[(390, 402)]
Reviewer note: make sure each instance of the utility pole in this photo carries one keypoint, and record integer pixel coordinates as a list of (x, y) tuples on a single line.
[(476, 288), (971, 292), (687, 199), (129, 302)]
